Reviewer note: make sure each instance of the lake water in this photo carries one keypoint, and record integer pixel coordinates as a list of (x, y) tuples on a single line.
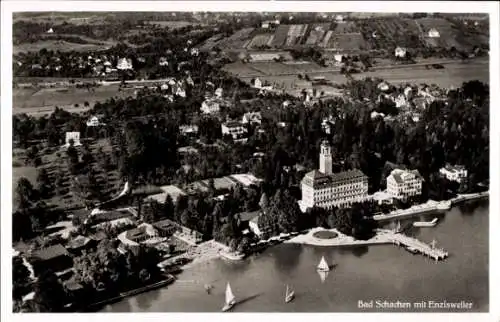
[(378, 272)]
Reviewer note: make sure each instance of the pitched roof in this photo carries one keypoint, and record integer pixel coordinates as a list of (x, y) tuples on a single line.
[(50, 252), (249, 215), (78, 242), (136, 233), (317, 178)]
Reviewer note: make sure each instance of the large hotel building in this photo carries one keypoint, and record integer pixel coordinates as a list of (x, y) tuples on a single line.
[(326, 189)]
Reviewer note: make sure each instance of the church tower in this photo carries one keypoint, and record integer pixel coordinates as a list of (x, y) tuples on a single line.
[(325, 158)]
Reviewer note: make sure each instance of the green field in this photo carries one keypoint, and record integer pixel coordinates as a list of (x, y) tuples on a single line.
[(33, 101)]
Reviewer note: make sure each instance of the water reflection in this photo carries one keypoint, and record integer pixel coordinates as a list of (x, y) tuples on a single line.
[(360, 251), (287, 261), (144, 302)]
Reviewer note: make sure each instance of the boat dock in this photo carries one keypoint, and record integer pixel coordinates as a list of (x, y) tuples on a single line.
[(416, 246)]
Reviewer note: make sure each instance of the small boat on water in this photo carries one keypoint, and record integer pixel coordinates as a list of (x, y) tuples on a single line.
[(230, 299), (323, 265), (289, 295), (412, 250), (208, 288), (426, 223)]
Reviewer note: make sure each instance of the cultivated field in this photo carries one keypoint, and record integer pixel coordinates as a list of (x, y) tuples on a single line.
[(58, 45), (32, 101), (454, 74), (172, 24)]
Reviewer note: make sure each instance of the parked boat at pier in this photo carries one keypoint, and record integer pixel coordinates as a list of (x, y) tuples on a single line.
[(426, 223)]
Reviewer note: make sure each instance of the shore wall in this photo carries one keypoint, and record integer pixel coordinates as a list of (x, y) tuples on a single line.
[(432, 206), (168, 280)]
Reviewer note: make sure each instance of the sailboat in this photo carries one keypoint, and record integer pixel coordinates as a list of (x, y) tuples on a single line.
[(398, 227), (230, 299), (289, 295), (323, 266)]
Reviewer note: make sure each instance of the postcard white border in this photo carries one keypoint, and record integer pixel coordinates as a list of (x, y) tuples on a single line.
[(269, 6)]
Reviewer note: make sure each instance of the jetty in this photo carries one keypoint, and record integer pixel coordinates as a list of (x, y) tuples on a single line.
[(416, 246)]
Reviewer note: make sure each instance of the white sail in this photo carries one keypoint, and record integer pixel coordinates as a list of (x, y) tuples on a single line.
[(229, 295), (323, 266), (287, 291)]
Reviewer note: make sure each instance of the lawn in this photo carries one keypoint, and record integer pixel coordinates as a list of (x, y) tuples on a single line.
[(28, 100), (325, 234)]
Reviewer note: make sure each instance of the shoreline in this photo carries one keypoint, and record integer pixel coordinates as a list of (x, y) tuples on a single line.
[(381, 238), (431, 206), (94, 307)]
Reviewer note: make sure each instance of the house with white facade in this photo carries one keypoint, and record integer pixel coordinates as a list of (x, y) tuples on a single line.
[(400, 52), (433, 33), (93, 121), (73, 137), (235, 129), (252, 118), (401, 101), (218, 92), (257, 83), (455, 173), (402, 184), (383, 86), (124, 64), (325, 189), (210, 106)]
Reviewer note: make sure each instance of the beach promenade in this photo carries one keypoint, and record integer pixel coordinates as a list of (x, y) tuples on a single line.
[(383, 236)]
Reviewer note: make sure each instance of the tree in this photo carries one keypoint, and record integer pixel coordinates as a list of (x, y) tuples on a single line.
[(168, 207), (264, 201), (25, 194), (49, 293), (20, 278), (45, 186), (243, 245)]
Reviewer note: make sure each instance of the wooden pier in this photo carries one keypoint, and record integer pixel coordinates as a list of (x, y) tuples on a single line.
[(416, 246)]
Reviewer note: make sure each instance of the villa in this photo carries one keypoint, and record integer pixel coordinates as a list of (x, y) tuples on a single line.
[(455, 173), (402, 184)]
